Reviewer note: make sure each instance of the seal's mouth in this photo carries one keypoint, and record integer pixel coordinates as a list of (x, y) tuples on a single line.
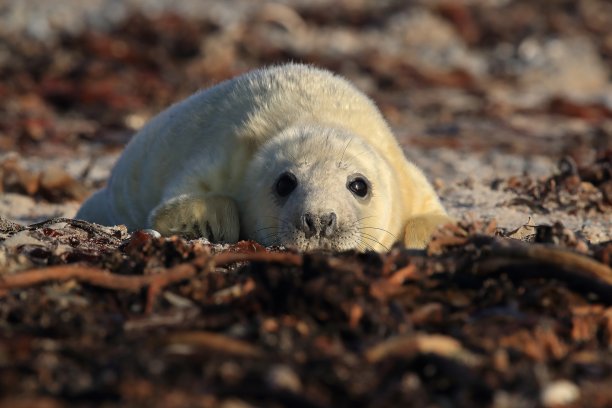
[(323, 233), (317, 243), (339, 240)]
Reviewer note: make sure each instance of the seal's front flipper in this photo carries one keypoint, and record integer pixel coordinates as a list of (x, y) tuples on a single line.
[(192, 216), (419, 229)]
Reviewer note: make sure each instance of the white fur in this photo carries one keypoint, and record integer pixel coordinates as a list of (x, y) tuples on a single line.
[(208, 165)]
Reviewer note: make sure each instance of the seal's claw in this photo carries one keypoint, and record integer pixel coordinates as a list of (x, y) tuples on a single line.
[(212, 217)]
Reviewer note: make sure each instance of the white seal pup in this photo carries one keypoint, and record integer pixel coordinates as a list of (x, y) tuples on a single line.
[(288, 155)]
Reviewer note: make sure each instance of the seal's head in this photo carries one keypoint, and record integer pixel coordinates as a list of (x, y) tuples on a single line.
[(318, 187)]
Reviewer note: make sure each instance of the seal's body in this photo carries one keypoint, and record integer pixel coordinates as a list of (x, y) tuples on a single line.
[(288, 155)]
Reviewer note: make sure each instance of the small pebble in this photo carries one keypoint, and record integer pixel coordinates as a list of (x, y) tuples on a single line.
[(559, 393), (284, 378)]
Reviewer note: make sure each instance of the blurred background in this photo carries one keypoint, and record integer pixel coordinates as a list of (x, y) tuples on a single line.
[(474, 89)]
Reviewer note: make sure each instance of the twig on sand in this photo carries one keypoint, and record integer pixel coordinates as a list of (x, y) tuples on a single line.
[(100, 278), (215, 343), (135, 283), (536, 260), (285, 258), (408, 346), (88, 227)]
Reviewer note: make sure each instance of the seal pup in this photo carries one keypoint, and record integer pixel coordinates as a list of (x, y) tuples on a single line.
[(286, 155)]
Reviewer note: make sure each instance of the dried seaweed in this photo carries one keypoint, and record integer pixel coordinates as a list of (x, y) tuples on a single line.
[(312, 329)]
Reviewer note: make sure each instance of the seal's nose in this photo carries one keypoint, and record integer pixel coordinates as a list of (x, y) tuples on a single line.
[(324, 224)]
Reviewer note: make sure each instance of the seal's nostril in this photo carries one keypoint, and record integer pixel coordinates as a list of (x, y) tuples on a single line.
[(308, 225), (329, 220), (328, 223)]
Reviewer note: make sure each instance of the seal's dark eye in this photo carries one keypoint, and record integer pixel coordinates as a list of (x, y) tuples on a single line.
[(359, 187), (285, 184)]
